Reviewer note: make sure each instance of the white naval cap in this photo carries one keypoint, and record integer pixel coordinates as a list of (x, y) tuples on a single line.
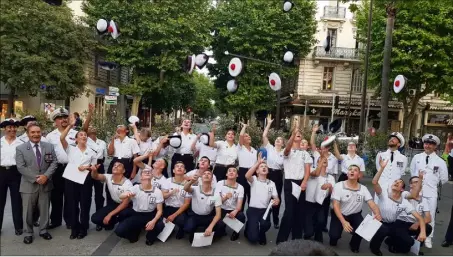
[(59, 112), (399, 137), (328, 141), (430, 138)]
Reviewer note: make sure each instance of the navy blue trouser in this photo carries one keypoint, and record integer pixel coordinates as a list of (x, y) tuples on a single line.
[(195, 221), (314, 221), (98, 217), (384, 231), (402, 237), (179, 220), (78, 202), (11, 179), (131, 226), (336, 228), (256, 227)]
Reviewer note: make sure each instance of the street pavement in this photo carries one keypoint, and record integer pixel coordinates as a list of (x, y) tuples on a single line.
[(107, 243)]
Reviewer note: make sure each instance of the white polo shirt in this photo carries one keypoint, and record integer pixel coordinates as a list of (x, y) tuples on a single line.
[(435, 172), (294, 164), (351, 201), (274, 158), (200, 181), (226, 154), (332, 162), (391, 209), (176, 199), (8, 152), (261, 193), (349, 160), (247, 158), (204, 150), (222, 189), (54, 138), (163, 150), (420, 206), (394, 170), (146, 201), (320, 193), (126, 148), (117, 189), (204, 203), (145, 146), (186, 145)]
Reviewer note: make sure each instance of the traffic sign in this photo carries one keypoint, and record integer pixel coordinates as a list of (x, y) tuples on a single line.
[(110, 99)]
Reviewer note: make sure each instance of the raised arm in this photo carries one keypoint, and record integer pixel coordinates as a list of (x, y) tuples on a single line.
[(313, 138), (252, 170), (266, 130), (86, 124), (96, 176), (188, 185), (63, 135), (212, 136), (289, 144), (375, 181), (111, 147), (336, 151), (136, 134), (242, 134)]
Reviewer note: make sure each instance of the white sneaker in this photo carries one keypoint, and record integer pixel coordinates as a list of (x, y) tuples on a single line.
[(428, 243)]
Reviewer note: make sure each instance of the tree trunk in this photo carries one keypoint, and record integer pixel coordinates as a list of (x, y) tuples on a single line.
[(383, 123), (153, 117), (10, 109), (135, 104), (252, 117)]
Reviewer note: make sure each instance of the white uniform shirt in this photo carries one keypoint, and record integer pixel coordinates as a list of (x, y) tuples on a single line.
[(420, 206), (176, 199), (24, 138), (200, 181), (54, 138), (226, 154), (351, 201), (247, 158), (204, 150), (391, 209), (102, 145), (320, 193), (96, 148), (261, 193), (8, 152), (186, 145), (163, 150), (274, 158), (160, 182), (435, 172), (294, 164), (145, 146), (332, 163), (312, 187), (116, 189), (146, 201), (79, 158), (348, 161), (126, 148), (394, 170), (222, 189), (204, 203)]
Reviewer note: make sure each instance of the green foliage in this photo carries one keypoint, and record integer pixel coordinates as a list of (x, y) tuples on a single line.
[(205, 93), (162, 127), (374, 145), (42, 44), (106, 124), (259, 29), (41, 117)]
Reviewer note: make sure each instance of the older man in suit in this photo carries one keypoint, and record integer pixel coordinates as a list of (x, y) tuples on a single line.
[(36, 161)]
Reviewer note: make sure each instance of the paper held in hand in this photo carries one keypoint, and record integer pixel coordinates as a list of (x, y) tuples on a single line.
[(415, 249), (199, 240), (234, 224), (163, 236), (368, 227), (296, 190), (268, 209), (72, 173)]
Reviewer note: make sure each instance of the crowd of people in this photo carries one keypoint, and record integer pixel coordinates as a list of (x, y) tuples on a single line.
[(212, 179)]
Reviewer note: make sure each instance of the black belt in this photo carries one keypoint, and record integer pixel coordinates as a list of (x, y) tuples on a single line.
[(223, 165), (8, 167), (269, 169), (182, 154)]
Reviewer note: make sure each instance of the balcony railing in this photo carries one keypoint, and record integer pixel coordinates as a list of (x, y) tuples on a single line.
[(338, 53), (334, 12)]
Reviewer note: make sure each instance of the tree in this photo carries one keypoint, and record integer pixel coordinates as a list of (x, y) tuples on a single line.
[(42, 45), (259, 29), (156, 36), (422, 50), (205, 94)]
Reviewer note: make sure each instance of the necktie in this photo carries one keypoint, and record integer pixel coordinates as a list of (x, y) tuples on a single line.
[(38, 155), (427, 159), (391, 157)]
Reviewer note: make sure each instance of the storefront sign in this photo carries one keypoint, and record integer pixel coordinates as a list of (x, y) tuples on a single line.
[(100, 91), (343, 112), (112, 100)]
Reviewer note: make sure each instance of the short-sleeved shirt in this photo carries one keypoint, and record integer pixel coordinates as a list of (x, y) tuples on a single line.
[(351, 201), (177, 199), (320, 193), (146, 201), (54, 138), (391, 209), (116, 189), (226, 154), (145, 146), (200, 181), (294, 164), (204, 150), (186, 143), (163, 150), (261, 193), (247, 158), (204, 203), (332, 163), (237, 192), (8, 152), (421, 207), (79, 158), (126, 148), (348, 161), (274, 158)]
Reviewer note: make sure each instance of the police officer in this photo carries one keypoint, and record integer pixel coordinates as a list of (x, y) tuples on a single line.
[(146, 212), (262, 190), (435, 172), (232, 195), (205, 208), (177, 200), (9, 175), (391, 204), (185, 153), (106, 217), (226, 152), (275, 164), (60, 118), (297, 163), (78, 196), (347, 198), (247, 157)]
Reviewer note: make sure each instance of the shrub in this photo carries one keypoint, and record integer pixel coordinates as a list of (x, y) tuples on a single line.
[(41, 117)]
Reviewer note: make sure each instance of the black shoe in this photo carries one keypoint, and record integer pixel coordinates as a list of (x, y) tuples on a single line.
[(354, 250), (446, 244), (276, 226), (52, 226), (234, 236), (72, 236), (36, 224), (333, 243), (46, 236), (263, 240), (82, 235), (149, 242), (28, 240), (98, 228), (376, 252), (180, 234), (19, 232), (108, 228), (420, 253)]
